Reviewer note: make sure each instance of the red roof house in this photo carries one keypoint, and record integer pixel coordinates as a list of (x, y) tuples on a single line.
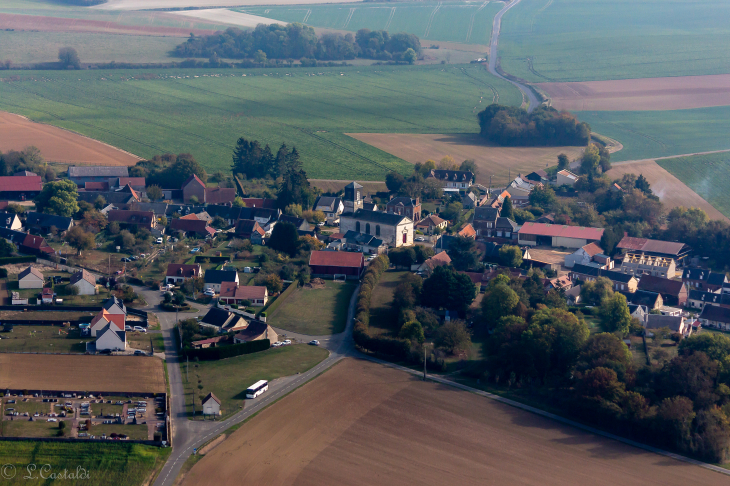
[(20, 188), (177, 272), (337, 264), (557, 235), (232, 293)]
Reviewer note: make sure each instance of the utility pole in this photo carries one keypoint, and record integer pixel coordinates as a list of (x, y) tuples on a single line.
[(425, 345), (187, 369)]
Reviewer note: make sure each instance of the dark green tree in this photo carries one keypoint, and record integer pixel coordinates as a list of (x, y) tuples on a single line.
[(394, 181), (507, 211), (69, 58), (284, 238), (58, 197), (463, 253), (448, 289)]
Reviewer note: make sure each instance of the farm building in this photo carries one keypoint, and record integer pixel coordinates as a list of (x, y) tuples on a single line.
[(255, 331), (566, 178), (89, 173), (211, 405), (44, 223), (233, 293), (214, 278), (557, 235), (394, 229), (10, 221), (177, 273), (655, 248), (111, 339), (30, 278), (84, 281), (103, 319), (343, 264), (20, 188), (222, 320)]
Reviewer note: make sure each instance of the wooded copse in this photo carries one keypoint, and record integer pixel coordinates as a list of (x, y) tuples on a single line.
[(513, 126), (297, 41)]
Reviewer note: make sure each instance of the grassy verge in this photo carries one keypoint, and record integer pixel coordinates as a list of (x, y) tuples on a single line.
[(315, 311)]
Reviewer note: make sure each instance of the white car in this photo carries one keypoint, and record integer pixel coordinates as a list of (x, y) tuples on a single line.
[(159, 241), (420, 238), (52, 420), (209, 292), (128, 328), (314, 342), (140, 329), (286, 342), (276, 345)]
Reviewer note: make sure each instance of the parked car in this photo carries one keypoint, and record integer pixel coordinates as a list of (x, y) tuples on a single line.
[(286, 342), (209, 292), (420, 238), (128, 328), (195, 250), (139, 329), (52, 420), (320, 224), (139, 353), (158, 241), (125, 259), (314, 342), (276, 345)]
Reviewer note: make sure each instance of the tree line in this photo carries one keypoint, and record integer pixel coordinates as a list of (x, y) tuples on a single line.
[(513, 126), (297, 41)]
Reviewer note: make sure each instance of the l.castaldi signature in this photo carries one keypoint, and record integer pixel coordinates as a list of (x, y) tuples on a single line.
[(45, 472)]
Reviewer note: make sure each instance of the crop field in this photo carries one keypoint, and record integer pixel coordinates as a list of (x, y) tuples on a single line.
[(204, 112), (110, 464), (122, 374), (361, 423), (464, 22), (586, 40)]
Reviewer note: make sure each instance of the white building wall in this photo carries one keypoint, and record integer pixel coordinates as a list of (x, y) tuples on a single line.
[(561, 241), (211, 407), (30, 282), (110, 341), (85, 288)]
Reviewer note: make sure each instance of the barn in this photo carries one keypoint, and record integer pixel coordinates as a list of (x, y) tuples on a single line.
[(557, 235), (337, 264)]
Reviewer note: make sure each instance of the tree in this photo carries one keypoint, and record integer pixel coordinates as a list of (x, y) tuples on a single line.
[(615, 315), (675, 415), (542, 197), (77, 238), (589, 162), (412, 331), (238, 202), (510, 256), (294, 210), (284, 238), (402, 257), (452, 211), (563, 162), (126, 240), (58, 197), (448, 289), (394, 181), (69, 58), (601, 383), (94, 221), (113, 228), (498, 302), (273, 284), (410, 56), (554, 338), (507, 211), (6, 248), (453, 337), (463, 253), (423, 253), (693, 376), (469, 166), (605, 350), (593, 293), (294, 187), (643, 185), (715, 346), (260, 57), (154, 192)]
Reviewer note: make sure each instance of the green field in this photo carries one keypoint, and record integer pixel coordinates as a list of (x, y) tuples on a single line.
[(707, 175), (463, 22), (650, 134), (42, 339), (315, 312), (203, 112), (383, 318), (581, 40), (106, 464)]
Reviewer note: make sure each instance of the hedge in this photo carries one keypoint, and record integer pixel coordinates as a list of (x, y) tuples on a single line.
[(223, 352), (18, 259), (212, 259), (269, 309)]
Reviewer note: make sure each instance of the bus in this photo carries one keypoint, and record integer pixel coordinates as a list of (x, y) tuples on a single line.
[(257, 389)]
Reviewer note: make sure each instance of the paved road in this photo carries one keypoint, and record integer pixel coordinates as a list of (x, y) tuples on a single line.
[(494, 41)]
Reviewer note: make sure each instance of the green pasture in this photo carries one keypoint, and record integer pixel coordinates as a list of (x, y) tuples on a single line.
[(203, 112), (464, 22), (583, 40), (707, 175), (315, 312)]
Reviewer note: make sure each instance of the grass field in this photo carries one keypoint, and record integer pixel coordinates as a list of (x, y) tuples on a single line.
[(464, 22), (139, 432), (107, 464), (383, 319), (583, 40), (229, 378), (151, 112), (707, 175), (315, 312), (42, 339), (22, 427)]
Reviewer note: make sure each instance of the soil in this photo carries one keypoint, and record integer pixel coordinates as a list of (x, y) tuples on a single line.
[(16, 268), (672, 93), (361, 423), (315, 283), (57, 144)]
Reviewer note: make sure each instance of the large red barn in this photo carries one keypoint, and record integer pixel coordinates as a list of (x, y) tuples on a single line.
[(349, 265)]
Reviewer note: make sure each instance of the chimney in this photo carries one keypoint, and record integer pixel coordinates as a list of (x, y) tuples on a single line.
[(179, 271)]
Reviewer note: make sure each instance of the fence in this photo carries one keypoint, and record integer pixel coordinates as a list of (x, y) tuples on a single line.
[(57, 266)]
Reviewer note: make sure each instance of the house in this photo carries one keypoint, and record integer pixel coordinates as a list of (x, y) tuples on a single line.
[(20, 188), (639, 311), (357, 242), (520, 196), (114, 305), (259, 202), (430, 223), (717, 317), (249, 229), (110, 339), (505, 231), (566, 178), (522, 182), (196, 227), (35, 245), (30, 278), (572, 295), (232, 293), (127, 219), (195, 190), (562, 282), (697, 299), (44, 223), (334, 264), (177, 273), (538, 176), (467, 231), (94, 173), (47, 295), (673, 291), (696, 278), (137, 183), (211, 342), (332, 207), (214, 278), (674, 323), (657, 248), (427, 267), (650, 300), (104, 319), (452, 180), (485, 220), (639, 263), (222, 320), (405, 206), (10, 221), (211, 405), (442, 244), (394, 229), (583, 255), (255, 331), (84, 281), (557, 235), (621, 281), (300, 224)]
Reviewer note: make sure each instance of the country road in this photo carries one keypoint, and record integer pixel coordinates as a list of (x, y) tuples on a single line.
[(528, 94)]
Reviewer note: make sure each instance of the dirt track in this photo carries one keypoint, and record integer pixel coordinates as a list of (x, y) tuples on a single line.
[(675, 93), (57, 144), (366, 424)]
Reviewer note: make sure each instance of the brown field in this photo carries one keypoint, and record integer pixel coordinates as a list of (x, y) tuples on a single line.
[(168, 4), (675, 93), (670, 190), (58, 24), (332, 185), (491, 160), (120, 374), (57, 144), (365, 424)]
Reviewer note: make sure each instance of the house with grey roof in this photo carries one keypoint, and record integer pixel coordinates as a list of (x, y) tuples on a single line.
[(395, 230), (673, 323), (332, 207), (81, 174)]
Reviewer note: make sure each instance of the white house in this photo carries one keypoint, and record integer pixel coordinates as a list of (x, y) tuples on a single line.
[(583, 255), (30, 278), (114, 305), (110, 339), (85, 282), (10, 221), (103, 319), (332, 207), (211, 405), (566, 178)]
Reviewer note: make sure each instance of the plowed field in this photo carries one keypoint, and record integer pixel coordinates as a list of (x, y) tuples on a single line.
[(365, 424), (58, 145)]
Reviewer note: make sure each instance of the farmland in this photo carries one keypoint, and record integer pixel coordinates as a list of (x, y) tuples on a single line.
[(464, 22), (585, 40), (315, 311), (107, 464), (392, 428), (203, 112)]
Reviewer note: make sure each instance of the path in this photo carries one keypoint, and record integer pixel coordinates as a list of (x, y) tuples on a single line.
[(627, 162), (527, 93)]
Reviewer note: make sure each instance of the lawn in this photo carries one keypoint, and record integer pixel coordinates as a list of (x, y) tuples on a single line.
[(229, 378), (315, 312), (30, 406), (107, 464), (142, 341), (42, 339), (204, 112), (583, 40), (707, 175), (22, 427), (383, 318), (138, 432)]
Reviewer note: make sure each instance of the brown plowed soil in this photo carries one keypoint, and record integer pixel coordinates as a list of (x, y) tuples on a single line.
[(365, 424), (676, 93), (57, 144)]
